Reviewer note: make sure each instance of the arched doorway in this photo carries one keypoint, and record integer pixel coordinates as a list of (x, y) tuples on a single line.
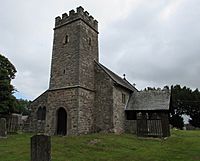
[(61, 121)]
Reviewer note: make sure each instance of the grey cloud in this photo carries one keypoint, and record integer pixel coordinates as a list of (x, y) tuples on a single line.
[(149, 49)]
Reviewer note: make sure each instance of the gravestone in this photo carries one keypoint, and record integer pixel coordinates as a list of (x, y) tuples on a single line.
[(41, 148), (3, 130)]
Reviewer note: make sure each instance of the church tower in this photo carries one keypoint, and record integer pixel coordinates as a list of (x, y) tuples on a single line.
[(71, 91), (75, 47)]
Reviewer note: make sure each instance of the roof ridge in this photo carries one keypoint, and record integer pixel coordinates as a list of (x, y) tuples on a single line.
[(116, 78), (100, 65), (130, 84)]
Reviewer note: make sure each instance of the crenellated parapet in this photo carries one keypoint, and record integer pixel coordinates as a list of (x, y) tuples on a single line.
[(73, 16)]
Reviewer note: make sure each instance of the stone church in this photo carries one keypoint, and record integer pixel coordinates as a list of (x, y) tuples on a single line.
[(86, 97)]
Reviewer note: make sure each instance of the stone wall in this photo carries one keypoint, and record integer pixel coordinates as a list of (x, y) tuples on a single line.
[(131, 126), (67, 99), (53, 100), (88, 49), (77, 102), (85, 111), (64, 65), (119, 108), (36, 125), (103, 120)]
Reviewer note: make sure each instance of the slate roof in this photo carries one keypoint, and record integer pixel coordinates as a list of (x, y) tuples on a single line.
[(117, 79), (149, 100)]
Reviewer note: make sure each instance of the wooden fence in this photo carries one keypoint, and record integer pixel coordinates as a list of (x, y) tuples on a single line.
[(12, 124), (147, 127)]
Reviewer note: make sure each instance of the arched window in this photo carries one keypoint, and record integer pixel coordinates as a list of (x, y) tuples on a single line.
[(39, 113), (44, 113)]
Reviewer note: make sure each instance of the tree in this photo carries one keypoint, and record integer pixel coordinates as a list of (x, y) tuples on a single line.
[(194, 109), (22, 107), (195, 120), (176, 107), (176, 121), (7, 73), (184, 101)]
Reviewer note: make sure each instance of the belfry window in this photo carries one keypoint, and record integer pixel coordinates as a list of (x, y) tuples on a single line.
[(90, 41), (66, 39)]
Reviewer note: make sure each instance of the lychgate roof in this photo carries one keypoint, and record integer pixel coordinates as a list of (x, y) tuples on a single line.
[(149, 100), (117, 79)]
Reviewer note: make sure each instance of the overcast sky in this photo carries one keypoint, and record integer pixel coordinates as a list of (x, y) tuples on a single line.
[(154, 42)]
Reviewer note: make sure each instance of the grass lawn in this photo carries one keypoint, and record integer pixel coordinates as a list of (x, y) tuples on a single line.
[(181, 146)]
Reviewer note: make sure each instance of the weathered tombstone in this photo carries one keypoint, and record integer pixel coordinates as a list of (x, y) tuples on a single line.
[(41, 148), (3, 130)]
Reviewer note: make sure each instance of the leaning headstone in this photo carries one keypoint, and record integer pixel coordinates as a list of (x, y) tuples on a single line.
[(3, 130), (40, 148)]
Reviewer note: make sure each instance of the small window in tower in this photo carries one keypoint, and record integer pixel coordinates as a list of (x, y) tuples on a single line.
[(64, 71), (66, 39), (123, 98), (90, 41)]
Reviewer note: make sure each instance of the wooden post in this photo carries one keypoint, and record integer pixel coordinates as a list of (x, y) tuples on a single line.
[(165, 124), (41, 148)]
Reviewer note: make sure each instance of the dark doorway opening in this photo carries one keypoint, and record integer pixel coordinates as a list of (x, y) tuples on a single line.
[(61, 121)]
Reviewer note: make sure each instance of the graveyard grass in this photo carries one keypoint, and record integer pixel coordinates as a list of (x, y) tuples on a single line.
[(181, 146)]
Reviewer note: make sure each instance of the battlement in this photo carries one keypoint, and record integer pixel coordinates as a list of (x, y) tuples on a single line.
[(73, 16)]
